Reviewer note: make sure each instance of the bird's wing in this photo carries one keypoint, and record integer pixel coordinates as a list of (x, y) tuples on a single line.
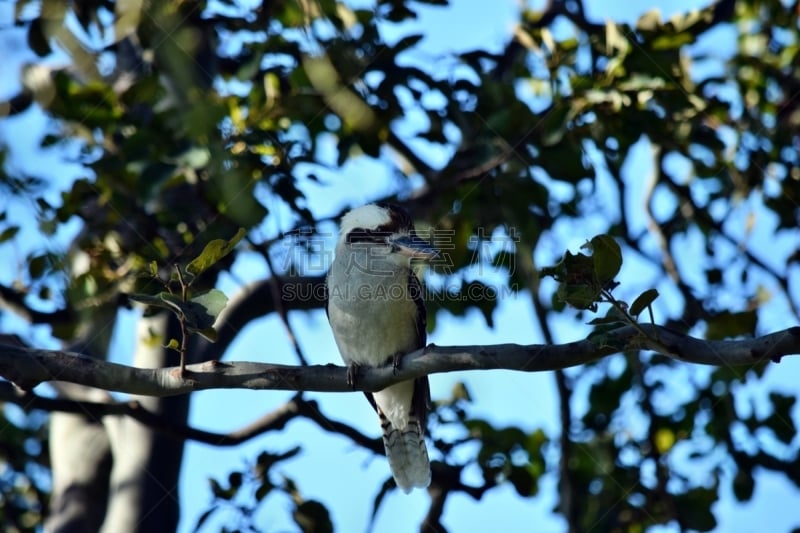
[(421, 400)]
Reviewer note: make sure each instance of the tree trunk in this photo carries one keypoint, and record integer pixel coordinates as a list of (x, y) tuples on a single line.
[(119, 475), (144, 478)]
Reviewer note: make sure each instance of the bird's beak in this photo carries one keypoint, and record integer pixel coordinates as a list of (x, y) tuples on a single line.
[(414, 247)]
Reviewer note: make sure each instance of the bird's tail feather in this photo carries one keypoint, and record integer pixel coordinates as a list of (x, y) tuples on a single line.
[(407, 454)]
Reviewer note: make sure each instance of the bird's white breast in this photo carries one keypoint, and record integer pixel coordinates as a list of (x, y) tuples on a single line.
[(372, 314)]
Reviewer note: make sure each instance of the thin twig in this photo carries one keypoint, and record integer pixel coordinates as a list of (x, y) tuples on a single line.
[(276, 286), (182, 322)]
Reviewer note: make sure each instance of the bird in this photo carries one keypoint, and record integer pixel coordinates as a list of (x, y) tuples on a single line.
[(377, 315)]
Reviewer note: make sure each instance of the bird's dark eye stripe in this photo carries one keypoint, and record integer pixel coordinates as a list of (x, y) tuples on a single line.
[(365, 235)]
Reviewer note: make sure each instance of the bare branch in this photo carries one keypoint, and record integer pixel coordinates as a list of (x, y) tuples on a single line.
[(274, 420), (276, 284), (27, 367), (14, 301), (310, 410), (301, 293)]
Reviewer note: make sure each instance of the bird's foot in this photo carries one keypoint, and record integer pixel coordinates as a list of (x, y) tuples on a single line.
[(396, 358), (352, 375), (429, 348)]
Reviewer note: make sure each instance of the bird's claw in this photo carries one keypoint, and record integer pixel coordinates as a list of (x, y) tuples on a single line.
[(352, 375), (396, 358)]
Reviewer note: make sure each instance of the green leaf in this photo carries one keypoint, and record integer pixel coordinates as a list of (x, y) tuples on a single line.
[(613, 319), (154, 174), (409, 41), (149, 299), (673, 41), (38, 41), (727, 324), (743, 485), (173, 344), (210, 334), (218, 491), (650, 21), (478, 428), (9, 233), (213, 302), (555, 124), (564, 162), (572, 267), (313, 517), (235, 479), (212, 253), (578, 286), (460, 392), (200, 312), (606, 258), (780, 421), (579, 296), (194, 157), (522, 480), (643, 301), (172, 302), (694, 508)]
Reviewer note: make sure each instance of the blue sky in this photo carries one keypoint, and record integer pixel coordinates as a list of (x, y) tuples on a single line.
[(332, 469)]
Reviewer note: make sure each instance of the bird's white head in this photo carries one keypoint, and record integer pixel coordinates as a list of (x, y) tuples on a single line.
[(386, 229)]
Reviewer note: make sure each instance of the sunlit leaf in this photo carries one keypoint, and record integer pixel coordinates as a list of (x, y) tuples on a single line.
[(460, 392), (664, 440), (173, 344), (213, 302), (213, 252), (650, 21)]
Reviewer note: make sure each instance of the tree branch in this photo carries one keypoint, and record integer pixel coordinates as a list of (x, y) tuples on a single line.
[(28, 367), (274, 420), (298, 293), (14, 301)]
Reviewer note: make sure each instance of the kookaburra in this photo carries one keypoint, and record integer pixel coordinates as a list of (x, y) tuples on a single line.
[(377, 314)]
